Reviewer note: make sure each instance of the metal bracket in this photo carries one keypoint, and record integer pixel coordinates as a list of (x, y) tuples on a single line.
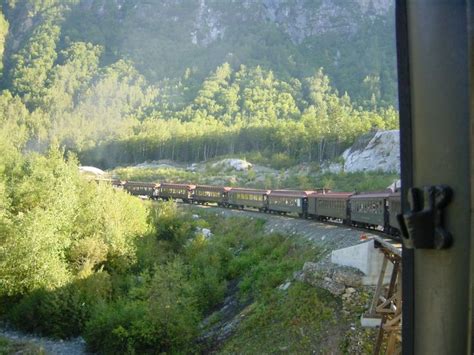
[(422, 227)]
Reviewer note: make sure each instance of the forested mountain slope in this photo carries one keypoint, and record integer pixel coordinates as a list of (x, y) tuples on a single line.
[(124, 81), (352, 39)]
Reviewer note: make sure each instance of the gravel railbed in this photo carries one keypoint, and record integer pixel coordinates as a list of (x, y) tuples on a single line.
[(328, 236)]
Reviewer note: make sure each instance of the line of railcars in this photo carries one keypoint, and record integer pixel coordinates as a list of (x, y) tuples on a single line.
[(371, 210)]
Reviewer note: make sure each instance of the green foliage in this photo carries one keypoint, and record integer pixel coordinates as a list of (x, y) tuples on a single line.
[(281, 161), (171, 227), (163, 319), (61, 226), (247, 112), (3, 35), (61, 313), (114, 220), (357, 182), (83, 91), (164, 41), (16, 124), (292, 321), (77, 257), (115, 327), (31, 65), (175, 287)]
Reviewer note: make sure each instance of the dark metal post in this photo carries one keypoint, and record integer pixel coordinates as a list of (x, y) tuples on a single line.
[(406, 169), (435, 138)]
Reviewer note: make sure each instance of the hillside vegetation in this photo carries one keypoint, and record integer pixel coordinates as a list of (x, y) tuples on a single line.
[(69, 89), (119, 82)]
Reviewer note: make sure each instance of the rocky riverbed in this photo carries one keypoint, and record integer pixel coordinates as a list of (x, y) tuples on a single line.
[(22, 343)]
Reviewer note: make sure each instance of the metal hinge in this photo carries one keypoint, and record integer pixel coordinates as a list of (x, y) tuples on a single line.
[(423, 226)]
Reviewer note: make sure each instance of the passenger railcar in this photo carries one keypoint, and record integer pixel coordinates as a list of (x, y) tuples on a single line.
[(288, 201), (183, 192), (332, 205), (205, 194), (137, 188), (369, 210), (374, 210), (117, 183), (241, 198)]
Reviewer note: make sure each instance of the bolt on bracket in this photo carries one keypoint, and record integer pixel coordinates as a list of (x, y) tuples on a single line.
[(423, 226)]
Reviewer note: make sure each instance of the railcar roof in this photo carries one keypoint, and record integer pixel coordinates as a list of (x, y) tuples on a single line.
[(140, 183), (211, 187), (170, 184), (111, 181), (290, 193), (249, 191), (375, 194), (332, 195)]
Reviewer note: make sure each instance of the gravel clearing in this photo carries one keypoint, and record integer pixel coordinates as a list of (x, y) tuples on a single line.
[(75, 346)]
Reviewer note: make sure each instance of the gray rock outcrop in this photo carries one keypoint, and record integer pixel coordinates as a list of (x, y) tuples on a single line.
[(331, 277), (375, 152)]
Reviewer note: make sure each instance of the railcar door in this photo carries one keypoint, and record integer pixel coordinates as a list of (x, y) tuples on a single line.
[(434, 40)]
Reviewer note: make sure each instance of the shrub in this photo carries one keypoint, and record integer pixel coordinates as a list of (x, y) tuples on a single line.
[(171, 226), (208, 288), (163, 317), (113, 328), (281, 161), (61, 313), (86, 254)]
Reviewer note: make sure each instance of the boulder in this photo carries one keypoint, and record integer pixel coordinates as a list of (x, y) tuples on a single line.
[(348, 276), (234, 164), (329, 276), (205, 232)]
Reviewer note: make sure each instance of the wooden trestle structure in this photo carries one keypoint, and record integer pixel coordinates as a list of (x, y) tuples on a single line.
[(387, 301)]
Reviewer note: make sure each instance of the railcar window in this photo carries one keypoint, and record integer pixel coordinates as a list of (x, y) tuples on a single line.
[(207, 193), (285, 201)]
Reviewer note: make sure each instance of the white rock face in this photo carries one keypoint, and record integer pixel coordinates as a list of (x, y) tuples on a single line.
[(156, 165), (234, 164), (382, 152)]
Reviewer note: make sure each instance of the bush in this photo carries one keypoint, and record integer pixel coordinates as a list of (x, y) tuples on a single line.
[(208, 288), (114, 328), (86, 254), (170, 231), (62, 226), (281, 161), (171, 226), (163, 317), (61, 313)]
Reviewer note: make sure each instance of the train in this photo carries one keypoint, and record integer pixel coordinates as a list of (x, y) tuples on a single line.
[(369, 210)]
